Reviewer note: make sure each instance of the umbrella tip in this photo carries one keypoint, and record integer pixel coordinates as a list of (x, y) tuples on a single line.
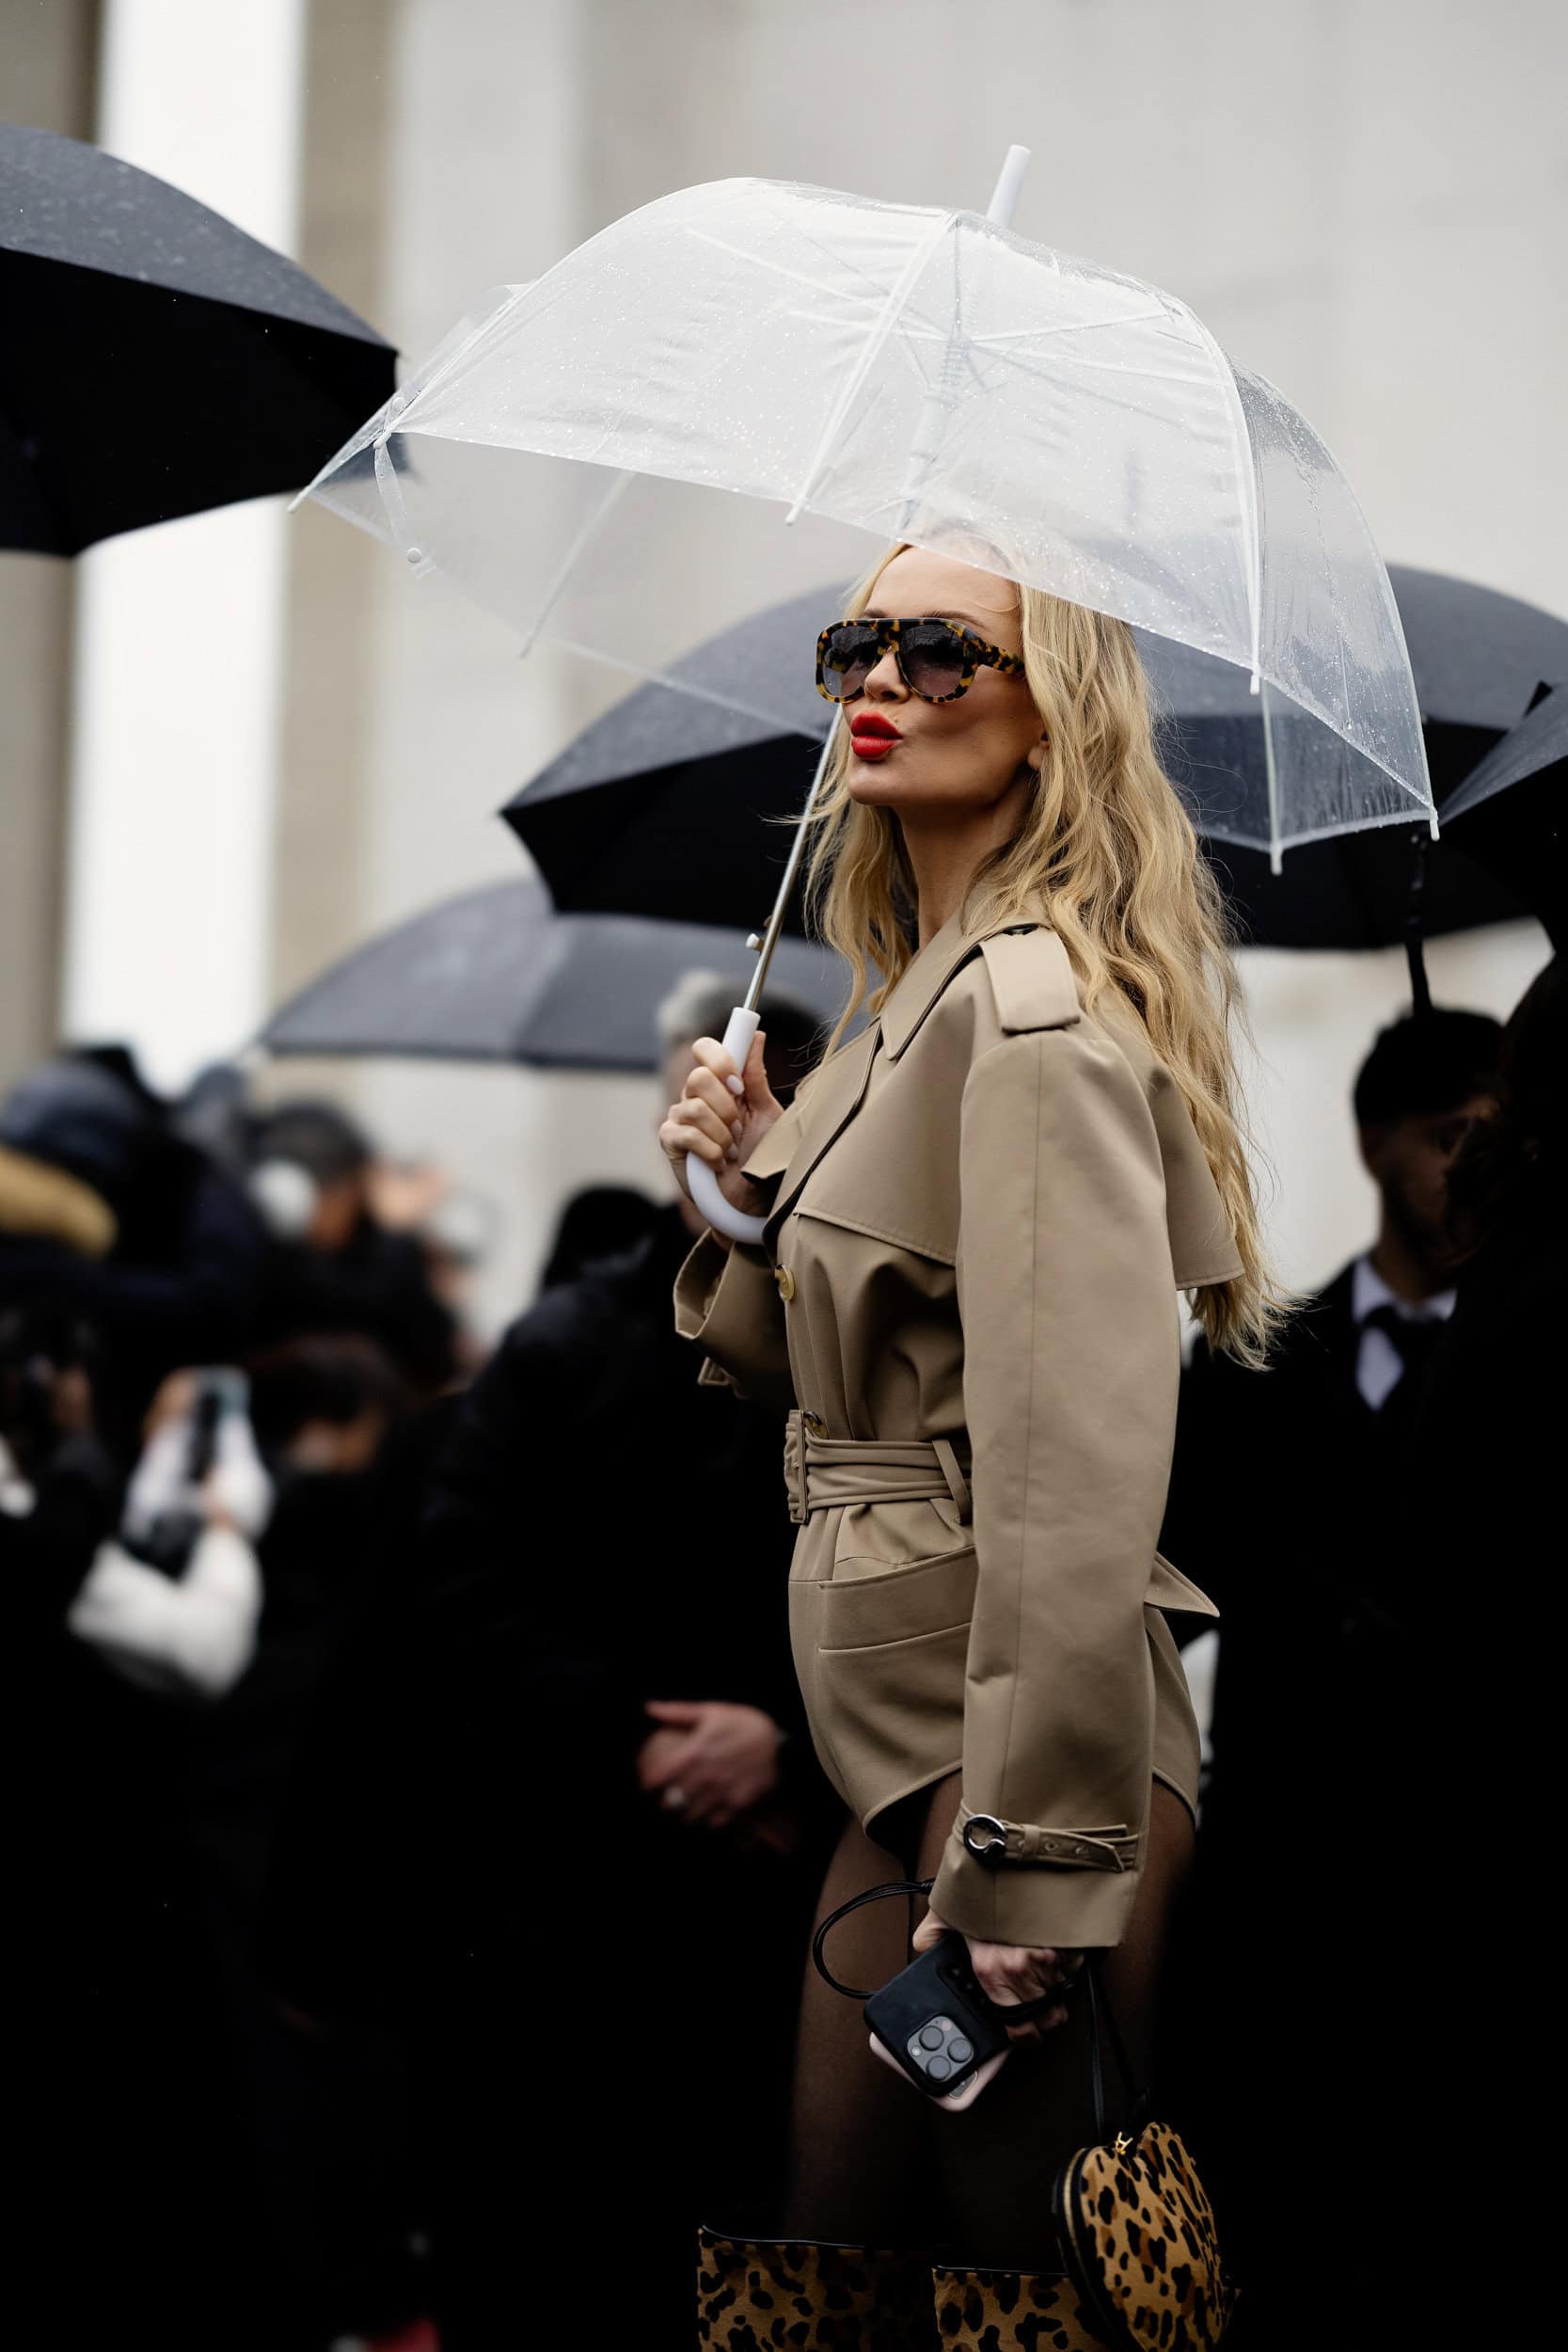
[(1008, 181)]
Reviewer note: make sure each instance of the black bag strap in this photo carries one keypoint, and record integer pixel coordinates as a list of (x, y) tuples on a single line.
[(1014, 2012), (858, 1902), (1138, 2100)]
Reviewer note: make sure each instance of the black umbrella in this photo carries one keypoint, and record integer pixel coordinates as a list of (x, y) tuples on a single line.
[(496, 975), (156, 361), (655, 808), (1511, 813)]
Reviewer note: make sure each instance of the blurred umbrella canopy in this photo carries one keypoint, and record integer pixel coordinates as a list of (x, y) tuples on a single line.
[(157, 361), (1512, 811), (496, 975), (653, 808)]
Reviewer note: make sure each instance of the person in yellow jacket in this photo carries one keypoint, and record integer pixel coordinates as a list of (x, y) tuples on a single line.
[(980, 1213)]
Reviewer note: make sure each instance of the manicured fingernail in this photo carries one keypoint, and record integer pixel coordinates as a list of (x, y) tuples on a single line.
[(732, 1154), (736, 1086)]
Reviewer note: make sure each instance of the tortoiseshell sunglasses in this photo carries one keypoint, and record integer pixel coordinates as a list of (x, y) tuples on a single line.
[(937, 660)]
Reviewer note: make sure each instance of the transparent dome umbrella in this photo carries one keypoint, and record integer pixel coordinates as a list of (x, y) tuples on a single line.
[(888, 372)]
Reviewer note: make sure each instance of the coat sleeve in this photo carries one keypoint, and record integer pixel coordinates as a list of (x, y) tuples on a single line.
[(730, 1305), (1071, 1361)]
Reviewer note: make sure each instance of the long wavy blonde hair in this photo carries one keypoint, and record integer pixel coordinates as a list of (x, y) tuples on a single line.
[(1108, 849)]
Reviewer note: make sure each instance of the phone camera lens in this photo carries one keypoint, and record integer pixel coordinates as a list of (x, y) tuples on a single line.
[(931, 2036), (939, 2070), (959, 2050)]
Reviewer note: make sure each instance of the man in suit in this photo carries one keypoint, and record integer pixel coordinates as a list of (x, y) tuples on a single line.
[(1285, 1502), (1291, 1504)]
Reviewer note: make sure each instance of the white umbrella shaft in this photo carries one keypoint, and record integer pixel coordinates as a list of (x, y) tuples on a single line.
[(702, 1183)]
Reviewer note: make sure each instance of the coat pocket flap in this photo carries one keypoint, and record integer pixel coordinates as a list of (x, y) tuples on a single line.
[(1169, 1589), (902, 1605)]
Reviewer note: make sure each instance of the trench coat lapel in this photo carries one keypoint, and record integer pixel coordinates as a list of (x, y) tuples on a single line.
[(923, 979), (839, 1091), (926, 974), (834, 1098)]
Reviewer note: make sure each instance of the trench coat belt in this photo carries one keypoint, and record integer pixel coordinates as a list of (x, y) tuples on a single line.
[(823, 1474)]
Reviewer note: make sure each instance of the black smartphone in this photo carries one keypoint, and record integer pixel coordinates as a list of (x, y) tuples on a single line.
[(937, 2027)]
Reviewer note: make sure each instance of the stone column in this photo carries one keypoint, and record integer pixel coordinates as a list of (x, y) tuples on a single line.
[(179, 629), (47, 64)]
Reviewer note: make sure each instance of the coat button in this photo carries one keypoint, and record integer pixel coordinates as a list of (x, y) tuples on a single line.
[(814, 1424), (786, 1282)]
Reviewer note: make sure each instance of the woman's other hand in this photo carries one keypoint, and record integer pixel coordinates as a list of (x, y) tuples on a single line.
[(1009, 1973), (709, 1760), (723, 1115)]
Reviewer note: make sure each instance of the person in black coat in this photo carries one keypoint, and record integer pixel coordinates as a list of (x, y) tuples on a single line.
[(1484, 1440), (182, 1278), (1286, 1498), (1292, 1503), (1486, 1478), (333, 1264), (518, 1729)]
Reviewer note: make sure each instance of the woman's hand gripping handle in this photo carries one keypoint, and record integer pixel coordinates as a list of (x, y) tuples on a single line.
[(727, 1108)]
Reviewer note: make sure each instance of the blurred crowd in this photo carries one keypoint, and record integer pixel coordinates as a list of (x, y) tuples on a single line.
[(412, 1828), (320, 1615)]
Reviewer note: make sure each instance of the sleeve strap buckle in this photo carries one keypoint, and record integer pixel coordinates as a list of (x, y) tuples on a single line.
[(991, 1842)]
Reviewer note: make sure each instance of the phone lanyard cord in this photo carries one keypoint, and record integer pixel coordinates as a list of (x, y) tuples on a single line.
[(1011, 2013)]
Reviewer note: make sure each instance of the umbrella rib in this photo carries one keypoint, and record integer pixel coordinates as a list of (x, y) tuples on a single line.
[(875, 285), (1107, 367), (1215, 830), (731, 702), (1246, 472), (1068, 326), (868, 294), (923, 330), (616, 488), (875, 340)]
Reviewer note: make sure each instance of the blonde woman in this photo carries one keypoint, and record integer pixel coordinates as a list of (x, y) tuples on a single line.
[(980, 1213)]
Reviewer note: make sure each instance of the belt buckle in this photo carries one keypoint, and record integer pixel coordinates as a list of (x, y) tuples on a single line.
[(992, 1845)]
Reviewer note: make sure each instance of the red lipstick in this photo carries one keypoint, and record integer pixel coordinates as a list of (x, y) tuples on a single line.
[(872, 736)]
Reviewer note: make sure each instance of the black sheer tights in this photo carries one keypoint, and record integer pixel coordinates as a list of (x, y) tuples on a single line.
[(874, 2162)]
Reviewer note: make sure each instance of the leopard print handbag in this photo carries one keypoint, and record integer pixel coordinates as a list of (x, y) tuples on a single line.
[(1137, 2230)]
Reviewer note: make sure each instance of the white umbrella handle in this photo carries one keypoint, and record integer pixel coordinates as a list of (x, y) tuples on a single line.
[(702, 1183)]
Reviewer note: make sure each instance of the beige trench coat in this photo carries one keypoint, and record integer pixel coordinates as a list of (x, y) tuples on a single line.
[(966, 1300)]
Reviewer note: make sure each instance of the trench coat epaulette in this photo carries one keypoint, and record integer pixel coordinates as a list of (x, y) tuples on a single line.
[(1030, 978)]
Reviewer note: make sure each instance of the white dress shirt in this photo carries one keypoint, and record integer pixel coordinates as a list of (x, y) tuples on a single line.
[(1378, 1363)]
